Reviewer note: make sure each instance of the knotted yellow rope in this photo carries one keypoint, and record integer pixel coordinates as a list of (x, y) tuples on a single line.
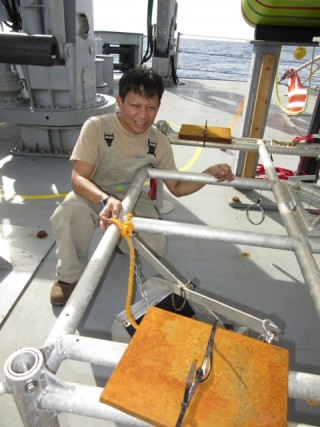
[(126, 229)]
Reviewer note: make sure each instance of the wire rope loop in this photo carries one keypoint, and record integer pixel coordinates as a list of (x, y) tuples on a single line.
[(270, 335), (255, 206), (183, 303)]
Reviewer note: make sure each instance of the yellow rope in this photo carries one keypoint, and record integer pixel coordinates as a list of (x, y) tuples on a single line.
[(126, 229)]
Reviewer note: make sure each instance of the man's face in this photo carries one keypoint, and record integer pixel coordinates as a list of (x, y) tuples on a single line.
[(137, 113)]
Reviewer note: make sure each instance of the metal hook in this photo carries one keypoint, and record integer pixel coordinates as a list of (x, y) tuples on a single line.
[(255, 206)]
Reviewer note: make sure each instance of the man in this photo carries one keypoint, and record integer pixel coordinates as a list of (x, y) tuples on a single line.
[(109, 151)]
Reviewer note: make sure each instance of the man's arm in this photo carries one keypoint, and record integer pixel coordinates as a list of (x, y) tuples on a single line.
[(82, 185), (222, 172)]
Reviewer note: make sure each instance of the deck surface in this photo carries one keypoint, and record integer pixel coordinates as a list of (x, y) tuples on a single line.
[(265, 283)]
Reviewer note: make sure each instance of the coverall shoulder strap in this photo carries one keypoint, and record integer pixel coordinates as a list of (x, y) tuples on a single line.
[(152, 143), (108, 130)]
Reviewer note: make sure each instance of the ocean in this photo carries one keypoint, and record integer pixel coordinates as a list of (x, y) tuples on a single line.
[(230, 60)]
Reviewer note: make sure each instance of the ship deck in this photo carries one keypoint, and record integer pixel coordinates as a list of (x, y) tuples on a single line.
[(263, 282)]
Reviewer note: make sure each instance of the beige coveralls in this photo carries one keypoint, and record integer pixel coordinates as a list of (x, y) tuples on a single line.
[(74, 221)]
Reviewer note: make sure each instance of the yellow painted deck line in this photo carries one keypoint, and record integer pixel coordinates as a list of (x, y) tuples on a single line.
[(41, 196)]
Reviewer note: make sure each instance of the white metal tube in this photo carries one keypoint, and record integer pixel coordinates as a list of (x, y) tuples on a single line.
[(219, 234), (310, 150), (301, 67), (267, 163), (84, 400), (286, 205), (293, 424), (78, 302), (96, 351), (248, 183), (304, 386), (309, 270)]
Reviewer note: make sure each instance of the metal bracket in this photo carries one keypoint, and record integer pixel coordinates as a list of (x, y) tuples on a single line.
[(264, 327)]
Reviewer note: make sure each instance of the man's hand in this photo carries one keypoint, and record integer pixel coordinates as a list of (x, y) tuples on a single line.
[(222, 172), (112, 209)]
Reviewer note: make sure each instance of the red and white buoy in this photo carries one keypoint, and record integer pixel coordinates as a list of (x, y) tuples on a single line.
[(297, 94)]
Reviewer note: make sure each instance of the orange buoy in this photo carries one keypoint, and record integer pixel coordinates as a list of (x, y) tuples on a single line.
[(297, 94)]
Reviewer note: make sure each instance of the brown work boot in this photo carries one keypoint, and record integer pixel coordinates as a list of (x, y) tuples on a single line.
[(60, 292)]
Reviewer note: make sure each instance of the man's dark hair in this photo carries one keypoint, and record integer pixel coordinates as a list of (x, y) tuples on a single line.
[(143, 81)]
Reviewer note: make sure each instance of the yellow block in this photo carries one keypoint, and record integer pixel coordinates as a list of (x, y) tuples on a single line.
[(213, 134), (247, 385)]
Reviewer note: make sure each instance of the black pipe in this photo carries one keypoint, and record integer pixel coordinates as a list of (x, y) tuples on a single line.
[(24, 49)]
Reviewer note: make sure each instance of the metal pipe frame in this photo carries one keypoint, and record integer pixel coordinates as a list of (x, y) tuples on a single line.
[(244, 183), (77, 304), (249, 144), (301, 385), (30, 374), (40, 395), (84, 400), (204, 232), (267, 329), (242, 144), (292, 221), (303, 248)]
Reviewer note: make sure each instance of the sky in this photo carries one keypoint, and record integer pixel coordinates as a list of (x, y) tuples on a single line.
[(208, 18)]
